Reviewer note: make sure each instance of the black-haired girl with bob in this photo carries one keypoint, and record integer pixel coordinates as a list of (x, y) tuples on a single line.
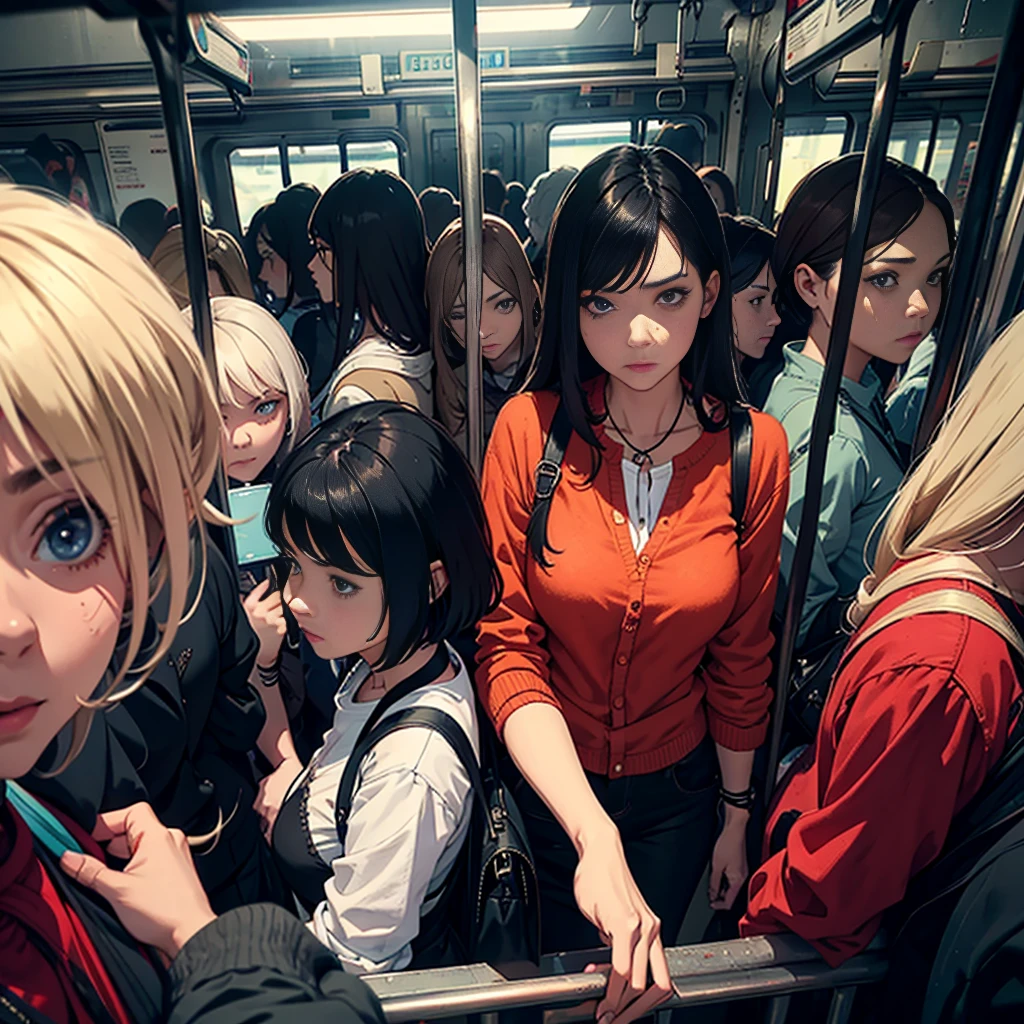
[(631, 645), (370, 265), (380, 516), (902, 290)]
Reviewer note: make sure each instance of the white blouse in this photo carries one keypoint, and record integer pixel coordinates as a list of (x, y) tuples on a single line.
[(645, 493), (410, 814)]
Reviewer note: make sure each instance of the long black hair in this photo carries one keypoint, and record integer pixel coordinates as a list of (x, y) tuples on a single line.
[(603, 238), (815, 225), (285, 223), (750, 248), (373, 225), (382, 486)]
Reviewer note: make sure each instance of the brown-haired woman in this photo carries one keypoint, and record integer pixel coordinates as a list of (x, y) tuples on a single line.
[(508, 324), (226, 269)]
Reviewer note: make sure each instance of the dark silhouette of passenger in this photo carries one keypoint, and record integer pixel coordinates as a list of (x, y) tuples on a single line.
[(494, 192), (684, 140), (512, 211), (440, 208), (142, 224)]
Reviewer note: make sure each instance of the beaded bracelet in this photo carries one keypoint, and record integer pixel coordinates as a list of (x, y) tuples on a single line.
[(743, 801)]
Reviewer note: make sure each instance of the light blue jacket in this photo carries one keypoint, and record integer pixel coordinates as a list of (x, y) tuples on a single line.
[(906, 402), (862, 473)]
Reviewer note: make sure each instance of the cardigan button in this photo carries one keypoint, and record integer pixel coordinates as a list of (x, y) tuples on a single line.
[(617, 769), (635, 606), (618, 518), (645, 559), (619, 702), (622, 659)]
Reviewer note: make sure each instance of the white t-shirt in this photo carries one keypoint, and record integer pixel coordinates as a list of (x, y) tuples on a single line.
[(410, 815), (645, 492)]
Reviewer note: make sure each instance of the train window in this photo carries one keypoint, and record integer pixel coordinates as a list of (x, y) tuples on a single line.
[(807, 142), (945, 146), (256, 177), (909, 140), (575, 145), (380, 155), (314, 165)]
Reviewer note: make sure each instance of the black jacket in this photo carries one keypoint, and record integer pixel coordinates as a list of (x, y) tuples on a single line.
[(182, 743), (254, 963)]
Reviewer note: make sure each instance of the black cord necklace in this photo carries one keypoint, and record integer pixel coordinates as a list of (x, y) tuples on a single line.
[(641, 456)]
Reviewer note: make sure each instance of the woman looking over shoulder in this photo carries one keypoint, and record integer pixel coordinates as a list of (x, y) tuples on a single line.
[(626, 667), (370, 265), (508, 325), (902, 290), (919, 712), (98, 489)]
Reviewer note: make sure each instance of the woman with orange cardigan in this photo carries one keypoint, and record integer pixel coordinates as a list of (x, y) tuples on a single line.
[(626, 667)]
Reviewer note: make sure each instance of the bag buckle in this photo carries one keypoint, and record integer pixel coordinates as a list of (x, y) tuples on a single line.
[(547, 474), (502, 865)]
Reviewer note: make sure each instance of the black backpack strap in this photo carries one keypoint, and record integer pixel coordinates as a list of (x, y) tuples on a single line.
[(429, 718), (741, 430), (547, 474)]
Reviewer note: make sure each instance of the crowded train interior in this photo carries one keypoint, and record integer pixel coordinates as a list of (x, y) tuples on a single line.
[(333, 333)]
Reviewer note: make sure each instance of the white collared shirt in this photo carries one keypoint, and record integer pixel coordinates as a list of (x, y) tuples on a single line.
[(650, 485), (410, 815)]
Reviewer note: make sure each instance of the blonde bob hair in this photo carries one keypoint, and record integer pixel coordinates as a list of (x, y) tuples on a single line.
[(969, 485), (99, 365), (255, 353), (224, 257), (505, 263)]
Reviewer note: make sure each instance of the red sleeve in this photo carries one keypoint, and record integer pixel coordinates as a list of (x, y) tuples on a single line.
[(910, 748), (512, 661), (739, 662)]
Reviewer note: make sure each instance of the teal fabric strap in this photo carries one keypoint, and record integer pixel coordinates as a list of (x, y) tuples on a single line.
[(42, 823)]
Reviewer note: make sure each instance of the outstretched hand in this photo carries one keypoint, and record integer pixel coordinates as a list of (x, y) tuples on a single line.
[(158, 896)]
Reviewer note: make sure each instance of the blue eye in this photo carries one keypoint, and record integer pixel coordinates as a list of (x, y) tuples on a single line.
[(73, 534), (268, 408)]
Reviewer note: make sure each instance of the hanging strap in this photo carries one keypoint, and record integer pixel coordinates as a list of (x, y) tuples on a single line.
[(549, 469), (43, 824), (741, 430), (883, 433)]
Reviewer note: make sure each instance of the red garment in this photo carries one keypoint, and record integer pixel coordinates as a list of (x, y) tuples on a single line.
[(913, 724), (643, 654), (29, 901)]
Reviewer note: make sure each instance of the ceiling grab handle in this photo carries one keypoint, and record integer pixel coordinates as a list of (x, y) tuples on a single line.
[(467, 106), (168, 41), (886, 90)]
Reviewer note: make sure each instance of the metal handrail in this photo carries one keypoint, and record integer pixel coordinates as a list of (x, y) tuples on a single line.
[(769, 966), (823, 424), (166, 42), (467, 106), (956, 347)]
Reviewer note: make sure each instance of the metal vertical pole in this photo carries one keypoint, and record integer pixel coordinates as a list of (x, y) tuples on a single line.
[(957, 333), (467, 106), (882, 110), (168, 45), (777, 135)]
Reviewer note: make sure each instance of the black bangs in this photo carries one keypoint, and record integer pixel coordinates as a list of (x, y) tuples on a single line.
[(380, 490), (619, 242)]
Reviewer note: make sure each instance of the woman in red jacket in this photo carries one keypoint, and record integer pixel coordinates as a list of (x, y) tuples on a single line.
[(627, 664), (919, 713)]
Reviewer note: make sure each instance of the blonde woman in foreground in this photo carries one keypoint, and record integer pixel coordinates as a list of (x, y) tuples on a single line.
[(109, 438), (919, 712)]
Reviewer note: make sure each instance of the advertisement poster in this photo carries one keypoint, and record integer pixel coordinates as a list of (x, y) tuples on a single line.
[(816, 31), (138, 165)]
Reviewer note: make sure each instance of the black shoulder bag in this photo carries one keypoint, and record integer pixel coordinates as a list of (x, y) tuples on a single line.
[(489, 906)]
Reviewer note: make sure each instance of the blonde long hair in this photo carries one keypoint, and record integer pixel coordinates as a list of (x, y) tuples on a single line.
[(254, 352), (97, 362), (224, 256), (971, 480), (505, 263)]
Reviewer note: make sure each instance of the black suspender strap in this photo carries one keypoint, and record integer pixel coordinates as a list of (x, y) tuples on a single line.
[(741, 430)]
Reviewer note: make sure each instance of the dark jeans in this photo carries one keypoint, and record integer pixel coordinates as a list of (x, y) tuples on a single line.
[(668, 825)]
